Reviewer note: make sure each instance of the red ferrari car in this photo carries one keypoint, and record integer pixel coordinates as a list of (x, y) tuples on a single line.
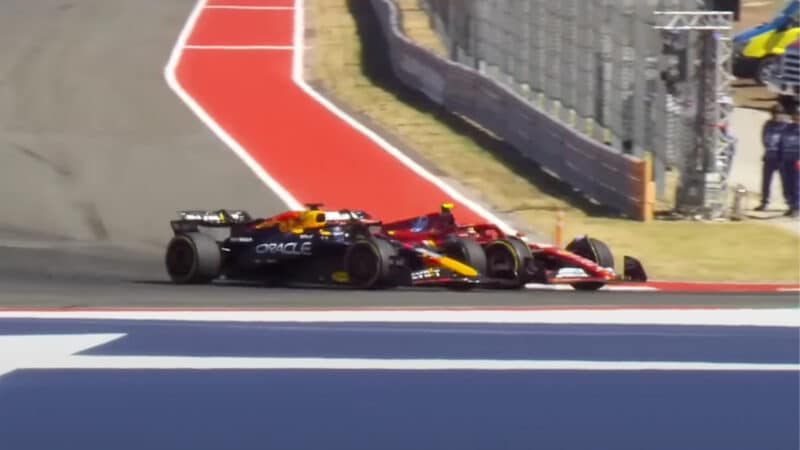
[(585, 263)]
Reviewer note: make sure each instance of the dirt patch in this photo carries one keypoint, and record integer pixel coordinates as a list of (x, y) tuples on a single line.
[(348, 61)]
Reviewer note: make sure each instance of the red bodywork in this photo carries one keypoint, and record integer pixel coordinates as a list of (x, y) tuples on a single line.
[(435, 228)]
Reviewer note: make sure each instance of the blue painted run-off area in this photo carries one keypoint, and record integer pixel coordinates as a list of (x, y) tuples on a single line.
[(326, 409)]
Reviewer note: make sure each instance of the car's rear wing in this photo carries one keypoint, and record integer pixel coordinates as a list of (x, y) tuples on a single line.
[(212, 222), (218, 216)]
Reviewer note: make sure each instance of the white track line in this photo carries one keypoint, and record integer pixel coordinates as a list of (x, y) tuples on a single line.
[(172, 80), (608, 287), (785, 317), (238, 47), (106, 362), (59, 351), (297, 76), (250, 8), (299, 80)]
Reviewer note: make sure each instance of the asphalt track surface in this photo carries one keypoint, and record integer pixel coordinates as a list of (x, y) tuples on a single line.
[(96, 154), (80, 278), (147, 384)]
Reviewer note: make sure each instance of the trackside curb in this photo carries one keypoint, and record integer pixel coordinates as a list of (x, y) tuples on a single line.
[(683, 286)]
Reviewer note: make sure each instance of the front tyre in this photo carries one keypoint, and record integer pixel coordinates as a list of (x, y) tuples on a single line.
[(369, 263), (596, 251), (193, 258), (507, 259)]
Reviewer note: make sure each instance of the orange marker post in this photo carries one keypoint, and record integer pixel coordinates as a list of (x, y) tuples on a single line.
[(559, 231)]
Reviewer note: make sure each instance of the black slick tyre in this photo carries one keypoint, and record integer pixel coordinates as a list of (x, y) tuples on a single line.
[(193, 258), (468, 252), (595, 250), (506, 259), (369, 263)]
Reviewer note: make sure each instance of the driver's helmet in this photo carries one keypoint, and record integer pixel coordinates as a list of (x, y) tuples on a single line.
[(447, 212), (313, 218)]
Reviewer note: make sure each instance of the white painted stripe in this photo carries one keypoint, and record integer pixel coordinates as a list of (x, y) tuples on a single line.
[(172, 80), (49, 244), (238, 47), (628, 316), (611, 287), (266, 363), (548, 287), (29, 245), (58, 351), (19, 351), (251, 8), (789, 289), (297, 76), (608, 287)]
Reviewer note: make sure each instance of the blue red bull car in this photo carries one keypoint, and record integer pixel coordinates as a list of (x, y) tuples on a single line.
[(300, 248)]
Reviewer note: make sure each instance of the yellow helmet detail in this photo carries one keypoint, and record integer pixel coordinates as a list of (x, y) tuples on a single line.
[(312, 218)]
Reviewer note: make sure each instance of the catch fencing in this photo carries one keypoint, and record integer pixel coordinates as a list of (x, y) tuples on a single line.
[(481, 82), (602, 67)]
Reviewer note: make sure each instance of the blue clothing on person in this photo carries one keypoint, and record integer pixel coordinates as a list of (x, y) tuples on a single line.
[(790, 172), (789, 148), (771, 135)]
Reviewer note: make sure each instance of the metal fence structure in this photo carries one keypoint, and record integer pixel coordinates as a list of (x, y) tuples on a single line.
[(707, 161), (593, 64), (487, 92), (597, 67)]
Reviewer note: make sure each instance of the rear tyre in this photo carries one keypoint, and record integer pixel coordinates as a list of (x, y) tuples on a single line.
[(193, 258), (468, 252), (595, 250), (506, 259), (369, 264)]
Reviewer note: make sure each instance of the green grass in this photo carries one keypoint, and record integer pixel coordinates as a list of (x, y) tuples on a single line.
[(346, 60)]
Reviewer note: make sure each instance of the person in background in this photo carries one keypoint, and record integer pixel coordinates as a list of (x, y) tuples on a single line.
[(771, 135), (790, 164)]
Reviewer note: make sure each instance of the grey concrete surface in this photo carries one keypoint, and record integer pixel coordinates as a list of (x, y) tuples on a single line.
[(93, 145)]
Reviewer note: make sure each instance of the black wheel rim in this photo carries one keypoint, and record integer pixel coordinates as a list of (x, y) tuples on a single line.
[(500, 262), (180, 259), (363, 265)]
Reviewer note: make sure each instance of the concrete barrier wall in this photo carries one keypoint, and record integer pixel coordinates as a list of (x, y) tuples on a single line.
[(617, 180)]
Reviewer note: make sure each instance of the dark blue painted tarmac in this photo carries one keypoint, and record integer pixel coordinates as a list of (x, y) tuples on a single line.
[(323, 409)]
